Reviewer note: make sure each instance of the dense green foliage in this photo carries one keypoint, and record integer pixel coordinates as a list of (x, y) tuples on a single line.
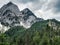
[(39, 34)]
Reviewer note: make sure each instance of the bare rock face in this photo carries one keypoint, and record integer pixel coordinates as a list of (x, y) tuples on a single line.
[(28, 18), (11, 16), (10, 7)]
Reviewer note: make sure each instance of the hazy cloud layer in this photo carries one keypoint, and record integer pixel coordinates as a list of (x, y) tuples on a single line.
[(57, 6), (27, 1), (46, 9)]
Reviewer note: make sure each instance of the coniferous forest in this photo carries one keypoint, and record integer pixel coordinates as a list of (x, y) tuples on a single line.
[(39, 34)]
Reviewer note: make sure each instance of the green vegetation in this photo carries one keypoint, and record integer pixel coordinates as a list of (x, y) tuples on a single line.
[(39, 34)]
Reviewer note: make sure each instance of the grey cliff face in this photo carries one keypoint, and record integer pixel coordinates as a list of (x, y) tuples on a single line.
[(28, 18), (10, 6), (11, 16)]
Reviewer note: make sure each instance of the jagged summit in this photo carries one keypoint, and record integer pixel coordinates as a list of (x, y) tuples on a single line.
[(10, 3), (10, 7), (6, 6), (27, 11)]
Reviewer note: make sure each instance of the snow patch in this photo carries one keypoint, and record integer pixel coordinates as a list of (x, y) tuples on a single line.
[(3, 28)]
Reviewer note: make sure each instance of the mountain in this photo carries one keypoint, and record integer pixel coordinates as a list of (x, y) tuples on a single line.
[(29, 18), (11, 16), (9, 13), (9, 7), (24, 28)]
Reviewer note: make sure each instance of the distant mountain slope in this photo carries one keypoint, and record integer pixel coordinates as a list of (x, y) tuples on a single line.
[(36, 26), (42, 24)]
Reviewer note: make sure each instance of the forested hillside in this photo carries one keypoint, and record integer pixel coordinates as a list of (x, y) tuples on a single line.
[(41, 33)]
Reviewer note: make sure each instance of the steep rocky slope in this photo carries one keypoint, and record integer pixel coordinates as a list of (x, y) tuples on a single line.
[(11, 16)]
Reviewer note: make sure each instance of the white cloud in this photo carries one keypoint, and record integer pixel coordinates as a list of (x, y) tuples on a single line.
[(2, 2), (41, 8)]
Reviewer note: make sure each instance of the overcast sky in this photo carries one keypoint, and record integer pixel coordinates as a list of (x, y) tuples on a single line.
[(46, 9)]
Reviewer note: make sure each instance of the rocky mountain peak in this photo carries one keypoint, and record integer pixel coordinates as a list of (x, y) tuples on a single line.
[(27, 11), (10, 3), (6, 6)]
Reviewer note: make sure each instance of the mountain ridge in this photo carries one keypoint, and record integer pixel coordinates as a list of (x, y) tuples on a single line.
[(12, 16)]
